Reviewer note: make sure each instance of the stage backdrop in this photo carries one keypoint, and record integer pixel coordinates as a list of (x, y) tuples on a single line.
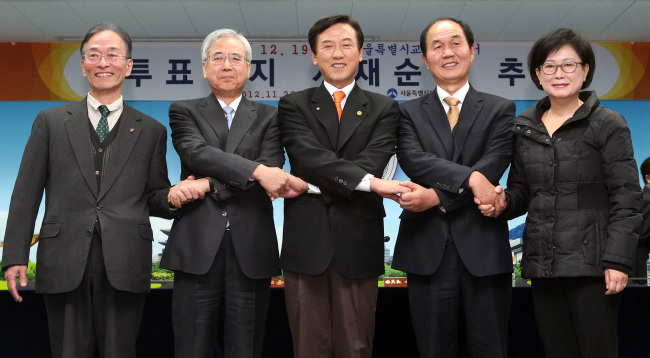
[(43, 75)]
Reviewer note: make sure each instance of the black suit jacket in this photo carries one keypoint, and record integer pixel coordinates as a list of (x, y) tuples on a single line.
[(341, 223), (432, 157), (208, 149), (58, 159)]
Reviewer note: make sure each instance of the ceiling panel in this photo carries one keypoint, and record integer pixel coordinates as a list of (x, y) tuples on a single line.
[(210, 16), (380, 20), (163, 19), (632, 25), (590, 19), (65, 24), (491, 20), (115, 12), (14, 27), (420, 14), (499, 14), (533, 19), (310, 12), (259, 15)]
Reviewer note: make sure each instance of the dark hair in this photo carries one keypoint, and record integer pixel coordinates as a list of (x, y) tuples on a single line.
[(645, 169), (469, 35), (107, 26), (552, 42), (325, 23)]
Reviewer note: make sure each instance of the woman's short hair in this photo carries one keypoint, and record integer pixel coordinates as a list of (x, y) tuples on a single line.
[(552, 42)]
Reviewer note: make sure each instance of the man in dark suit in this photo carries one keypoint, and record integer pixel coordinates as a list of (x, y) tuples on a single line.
[(643, 247), (102, 166), (458, 262), (224, 249), (332, 247)]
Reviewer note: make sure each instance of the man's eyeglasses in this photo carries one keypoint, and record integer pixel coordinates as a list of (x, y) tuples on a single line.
[(95, 57), (567, 66), (220, 59)]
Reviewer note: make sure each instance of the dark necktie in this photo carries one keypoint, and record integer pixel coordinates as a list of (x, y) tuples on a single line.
[(454, 112), (338, 97), (102, 126), (228, 111)]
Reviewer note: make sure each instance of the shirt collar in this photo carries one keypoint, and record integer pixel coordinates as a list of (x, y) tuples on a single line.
[(459, 95), (94, 103), (331, 89), (232, 105)]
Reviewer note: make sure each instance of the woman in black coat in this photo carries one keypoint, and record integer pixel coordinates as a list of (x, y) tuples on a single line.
[(574, 173)]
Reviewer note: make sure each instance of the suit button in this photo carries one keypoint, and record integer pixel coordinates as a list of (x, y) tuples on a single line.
[(88, 233), (96, 172), (224, 214), (99, 150), (99, 207)]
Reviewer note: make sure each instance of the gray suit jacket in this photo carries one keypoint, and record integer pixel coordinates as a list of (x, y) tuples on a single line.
[(208, 149), (58, 159)]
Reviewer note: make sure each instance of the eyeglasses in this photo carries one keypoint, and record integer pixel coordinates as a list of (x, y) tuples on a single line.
[(567, 66), (95, 57), (219, 59)]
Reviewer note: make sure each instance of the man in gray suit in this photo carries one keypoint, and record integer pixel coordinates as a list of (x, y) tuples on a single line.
[(102, 166), (224, 250)]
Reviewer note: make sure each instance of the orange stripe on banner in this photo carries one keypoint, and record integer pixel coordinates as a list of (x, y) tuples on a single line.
[(35, 72)]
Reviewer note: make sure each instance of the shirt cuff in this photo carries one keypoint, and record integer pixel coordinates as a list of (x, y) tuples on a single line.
[(313, 189), (364, 184)]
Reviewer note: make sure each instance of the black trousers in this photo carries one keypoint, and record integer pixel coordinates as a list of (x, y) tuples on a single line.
[(221, 306), (575, 318), (95, 317), (439, 301)]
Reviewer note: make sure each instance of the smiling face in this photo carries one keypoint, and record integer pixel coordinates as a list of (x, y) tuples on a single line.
[(449, 56), (226, 80), (561, 85), (338, 55), (106, 78)]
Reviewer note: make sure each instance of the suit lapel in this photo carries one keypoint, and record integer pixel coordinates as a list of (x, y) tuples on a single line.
[(78, 130), (128, 132), (354, 112), (214, 115), (244, 118), (323, 108), (468, 113), (438, 119)]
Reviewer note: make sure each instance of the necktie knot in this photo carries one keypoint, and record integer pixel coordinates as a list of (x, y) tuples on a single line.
[(229, 111), (452, 101), (338, 98), (104, 110), (102, 126), (454, 112)]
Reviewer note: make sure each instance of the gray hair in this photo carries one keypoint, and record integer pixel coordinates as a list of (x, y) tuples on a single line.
[(107, 26), (217, 34)]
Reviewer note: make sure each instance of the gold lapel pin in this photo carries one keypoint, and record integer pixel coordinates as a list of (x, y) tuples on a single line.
[(359, 113), (318, 108), (131, 130)]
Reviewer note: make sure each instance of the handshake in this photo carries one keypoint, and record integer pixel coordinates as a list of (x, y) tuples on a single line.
[(410, 196), (491, 200)]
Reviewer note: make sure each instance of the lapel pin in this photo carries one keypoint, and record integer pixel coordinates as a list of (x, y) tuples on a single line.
[(318, 108), (359, 113), (131, 130)]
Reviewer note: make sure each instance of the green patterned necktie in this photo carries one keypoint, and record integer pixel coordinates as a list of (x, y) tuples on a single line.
[(102, 127)]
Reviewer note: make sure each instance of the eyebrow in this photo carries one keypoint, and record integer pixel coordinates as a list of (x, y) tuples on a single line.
[(221, 53), (95, 48)]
